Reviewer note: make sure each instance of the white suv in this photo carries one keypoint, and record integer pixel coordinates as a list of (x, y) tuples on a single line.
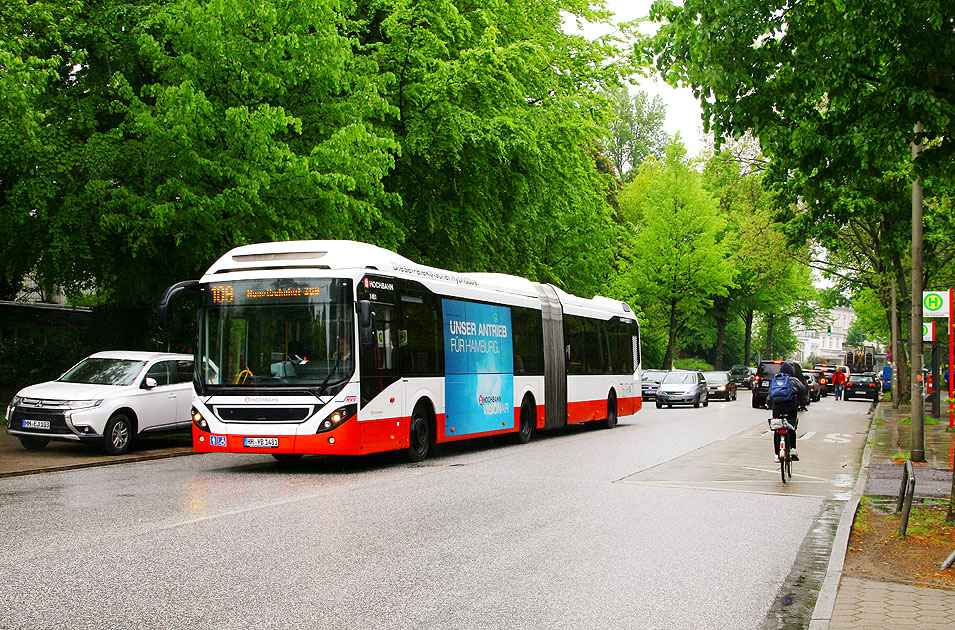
[(107, 398)]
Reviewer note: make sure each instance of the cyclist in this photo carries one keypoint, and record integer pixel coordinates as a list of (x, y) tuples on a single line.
[(786, 405)]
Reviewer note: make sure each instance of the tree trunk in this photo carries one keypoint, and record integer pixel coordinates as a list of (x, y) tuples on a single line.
[(904, 317), (770, 324), (720, 337), (748, 342), (668, 357)]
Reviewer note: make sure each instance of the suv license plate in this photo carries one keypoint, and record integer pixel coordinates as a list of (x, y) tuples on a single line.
[(36, 424), (261, 442)]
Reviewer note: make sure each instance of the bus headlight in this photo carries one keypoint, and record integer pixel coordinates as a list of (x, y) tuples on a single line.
[(337, 417), (199, 421)]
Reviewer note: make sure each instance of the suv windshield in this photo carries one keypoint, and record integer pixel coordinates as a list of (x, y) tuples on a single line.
[(104, 372), (276, 333), (679, 377), (739, 370)]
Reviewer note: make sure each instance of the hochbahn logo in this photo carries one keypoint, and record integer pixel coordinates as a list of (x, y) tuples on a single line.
[(493, 405), (374, 284)]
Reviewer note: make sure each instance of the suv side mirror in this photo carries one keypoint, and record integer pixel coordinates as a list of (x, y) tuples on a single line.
[(148, 383), (366, 324)]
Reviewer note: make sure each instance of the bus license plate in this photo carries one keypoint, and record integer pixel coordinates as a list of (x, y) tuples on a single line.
[(261, 442), (36, 424)]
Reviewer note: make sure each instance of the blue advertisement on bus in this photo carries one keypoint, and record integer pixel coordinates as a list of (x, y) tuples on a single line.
[(479, 368)]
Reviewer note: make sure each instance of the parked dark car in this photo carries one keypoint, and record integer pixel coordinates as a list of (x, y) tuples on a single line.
[(683, 387), (741, 376), (862, 386), (650, 381), (765, 372), (719, 385)]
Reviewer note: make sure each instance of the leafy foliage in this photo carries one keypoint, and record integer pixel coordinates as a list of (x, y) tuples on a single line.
[(678, 264), (636, 130)]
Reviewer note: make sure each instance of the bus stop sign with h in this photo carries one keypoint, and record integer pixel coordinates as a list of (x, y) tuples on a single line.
[(939, 304)]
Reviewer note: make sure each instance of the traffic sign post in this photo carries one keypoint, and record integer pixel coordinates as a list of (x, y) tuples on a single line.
[(939, 304)]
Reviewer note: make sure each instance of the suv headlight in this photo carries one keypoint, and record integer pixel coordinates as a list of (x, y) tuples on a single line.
[(13, 403), (83, 404)]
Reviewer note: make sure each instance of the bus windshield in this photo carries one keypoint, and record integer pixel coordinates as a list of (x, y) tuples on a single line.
[(276, 333)]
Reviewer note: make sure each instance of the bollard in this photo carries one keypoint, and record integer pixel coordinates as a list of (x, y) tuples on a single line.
[(949, 561), (906, 493)]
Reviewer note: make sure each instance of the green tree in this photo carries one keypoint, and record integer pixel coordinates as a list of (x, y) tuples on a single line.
[(178, 130), (636, 131), (499, 116), (833, 91), (770, 277), (33, 60), (677, 266)]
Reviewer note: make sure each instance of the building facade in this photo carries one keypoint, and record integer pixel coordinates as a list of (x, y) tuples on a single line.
[(826, 344)]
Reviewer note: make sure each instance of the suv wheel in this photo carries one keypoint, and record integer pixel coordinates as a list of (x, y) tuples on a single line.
[(118, 435)]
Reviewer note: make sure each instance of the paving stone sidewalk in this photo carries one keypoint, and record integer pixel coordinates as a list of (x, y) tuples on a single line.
[(57, 456), (873, 605), (863, 604)]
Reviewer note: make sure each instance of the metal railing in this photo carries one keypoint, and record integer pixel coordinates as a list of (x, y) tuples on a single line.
[(906, 493)]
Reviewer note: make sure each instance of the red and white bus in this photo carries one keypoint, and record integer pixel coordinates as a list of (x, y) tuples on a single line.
[(345, 348)]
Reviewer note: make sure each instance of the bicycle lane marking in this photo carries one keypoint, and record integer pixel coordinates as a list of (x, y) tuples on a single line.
[(739, 463)]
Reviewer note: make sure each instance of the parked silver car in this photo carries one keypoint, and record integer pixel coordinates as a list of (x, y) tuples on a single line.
[(683, 387), (107, 399)]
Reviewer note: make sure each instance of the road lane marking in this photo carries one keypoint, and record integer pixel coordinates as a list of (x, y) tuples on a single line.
[(663, 484)]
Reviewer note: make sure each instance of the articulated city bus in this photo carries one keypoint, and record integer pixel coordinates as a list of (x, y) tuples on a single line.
[(340, 347)]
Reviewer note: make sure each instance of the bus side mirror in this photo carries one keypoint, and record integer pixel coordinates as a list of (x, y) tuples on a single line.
[(166, 301), (366, 324)]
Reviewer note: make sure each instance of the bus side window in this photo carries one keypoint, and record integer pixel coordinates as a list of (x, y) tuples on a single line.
[(575, 340), (528, 341), (422, 341)]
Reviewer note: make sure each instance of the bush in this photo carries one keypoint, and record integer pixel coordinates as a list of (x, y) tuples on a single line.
[(25, 362), (691, 364)]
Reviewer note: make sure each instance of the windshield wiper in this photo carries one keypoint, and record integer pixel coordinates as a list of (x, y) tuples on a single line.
[(338, 360)]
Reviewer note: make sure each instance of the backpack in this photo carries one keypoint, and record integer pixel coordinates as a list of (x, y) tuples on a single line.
[(781, 389)]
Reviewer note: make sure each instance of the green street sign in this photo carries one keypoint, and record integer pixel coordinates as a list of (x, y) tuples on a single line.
[(935, 304)]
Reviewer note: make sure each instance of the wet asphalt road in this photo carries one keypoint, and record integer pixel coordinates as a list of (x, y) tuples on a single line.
[(674, 519)]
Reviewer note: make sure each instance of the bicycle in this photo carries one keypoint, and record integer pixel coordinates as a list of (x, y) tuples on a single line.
[(782, 427)]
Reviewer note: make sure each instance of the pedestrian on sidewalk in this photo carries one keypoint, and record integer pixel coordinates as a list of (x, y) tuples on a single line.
[(839, 380)]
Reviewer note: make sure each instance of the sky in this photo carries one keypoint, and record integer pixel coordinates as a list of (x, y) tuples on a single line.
[(682, 110)]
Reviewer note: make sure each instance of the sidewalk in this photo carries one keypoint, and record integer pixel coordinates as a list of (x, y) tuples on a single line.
[(16, 460), (847, 602)]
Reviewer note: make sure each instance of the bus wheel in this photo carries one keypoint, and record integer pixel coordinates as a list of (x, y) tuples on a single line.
[(287, 459), (611, 420), (526, 430), (419, 439)]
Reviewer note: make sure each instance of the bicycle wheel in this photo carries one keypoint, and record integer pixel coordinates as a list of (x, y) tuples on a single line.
[(789, 466), (783, 456)]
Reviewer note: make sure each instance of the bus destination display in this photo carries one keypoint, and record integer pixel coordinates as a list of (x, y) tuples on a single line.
[(226, 293)]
